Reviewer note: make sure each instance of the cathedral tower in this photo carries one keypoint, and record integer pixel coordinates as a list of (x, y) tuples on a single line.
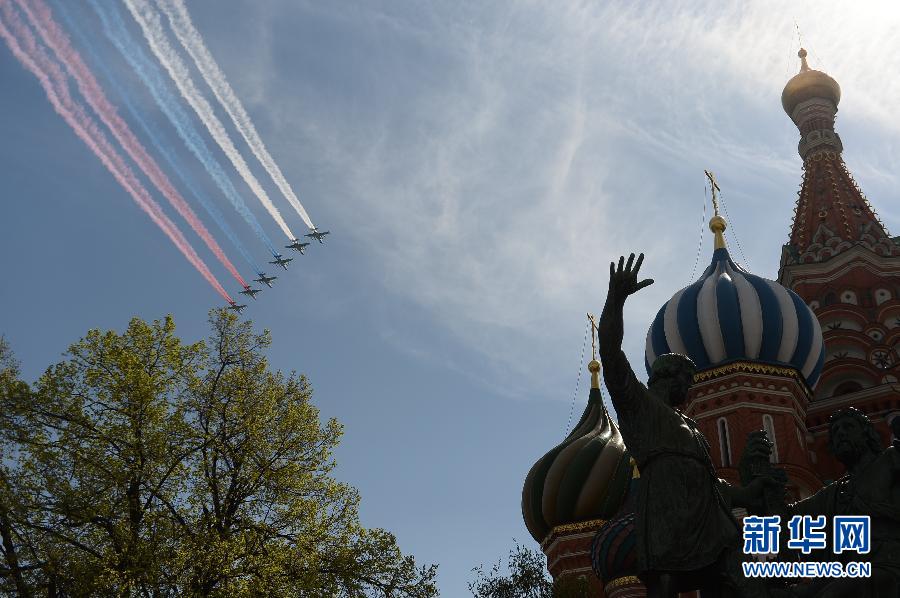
[(841, 260), (780, 356)]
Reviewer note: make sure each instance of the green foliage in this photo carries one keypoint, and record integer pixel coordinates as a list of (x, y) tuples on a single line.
[(525, 576), (144, 466)]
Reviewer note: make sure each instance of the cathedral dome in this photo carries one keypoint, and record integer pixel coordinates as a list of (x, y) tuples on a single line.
[(731, 315), (585, 478), (614, 551), (808, 84)]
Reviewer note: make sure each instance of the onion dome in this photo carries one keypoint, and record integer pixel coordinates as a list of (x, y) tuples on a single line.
[(731, 315), (584, 478), (613, 553), (832, 215), (808, 84)]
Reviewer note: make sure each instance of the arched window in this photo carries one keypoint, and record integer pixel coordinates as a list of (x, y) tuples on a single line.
[(769, 427), (846, 388), (724, 442)]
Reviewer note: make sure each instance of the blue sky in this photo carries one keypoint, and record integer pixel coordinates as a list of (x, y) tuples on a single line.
[(478, 165)]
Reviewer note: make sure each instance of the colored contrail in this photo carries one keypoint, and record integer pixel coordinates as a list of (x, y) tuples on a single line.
[(149, 20), (41, 18), (53, 80), (155, 80), (152, 132), (192, 41)]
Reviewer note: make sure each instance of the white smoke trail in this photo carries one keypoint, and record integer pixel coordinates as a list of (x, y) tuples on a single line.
[(192, 41), (149, 20), (34, 57)]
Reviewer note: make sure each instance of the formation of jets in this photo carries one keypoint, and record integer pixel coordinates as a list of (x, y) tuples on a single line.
[(280, 260)]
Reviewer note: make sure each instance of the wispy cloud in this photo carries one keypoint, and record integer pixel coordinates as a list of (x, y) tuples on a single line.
[(493, 159)]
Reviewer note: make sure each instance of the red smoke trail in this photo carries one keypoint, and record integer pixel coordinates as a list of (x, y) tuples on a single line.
[(41, 18), (53, 81)]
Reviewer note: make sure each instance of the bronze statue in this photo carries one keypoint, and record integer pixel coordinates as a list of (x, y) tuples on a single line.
[(686, 535), (870, 487)]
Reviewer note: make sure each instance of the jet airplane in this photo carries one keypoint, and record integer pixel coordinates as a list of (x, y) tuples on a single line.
[(266, 280), (250, 292), (296, 244), (281, 261), (317, 235), (236, 307)]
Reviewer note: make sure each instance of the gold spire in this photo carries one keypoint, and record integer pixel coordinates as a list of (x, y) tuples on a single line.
[(594, 365), (717, 224), (803, 65)]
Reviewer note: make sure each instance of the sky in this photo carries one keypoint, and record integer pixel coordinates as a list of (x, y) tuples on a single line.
[(478, 165)]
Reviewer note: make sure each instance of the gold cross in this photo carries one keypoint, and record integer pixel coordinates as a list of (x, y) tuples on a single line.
[(593, 335), (715, 187)]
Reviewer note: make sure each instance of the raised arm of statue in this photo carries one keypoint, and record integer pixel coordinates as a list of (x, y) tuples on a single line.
[(622, 283), (616, 370)]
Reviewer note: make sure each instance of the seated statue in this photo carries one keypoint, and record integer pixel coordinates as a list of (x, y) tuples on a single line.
[(870, 487)]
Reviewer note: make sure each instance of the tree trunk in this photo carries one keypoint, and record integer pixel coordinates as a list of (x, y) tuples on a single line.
[(12, 557)]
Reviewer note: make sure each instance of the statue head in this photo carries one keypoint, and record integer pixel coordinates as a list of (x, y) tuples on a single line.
[(851, 435), (672, 375)]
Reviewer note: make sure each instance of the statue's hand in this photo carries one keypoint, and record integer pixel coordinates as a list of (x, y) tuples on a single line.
[(623, 279)]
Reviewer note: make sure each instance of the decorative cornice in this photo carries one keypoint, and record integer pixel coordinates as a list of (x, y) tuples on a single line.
[(622, 581), (749, 367), (829, 271), (579, 526), (846, 310), (829, 404), (553, 536), (832, 268)]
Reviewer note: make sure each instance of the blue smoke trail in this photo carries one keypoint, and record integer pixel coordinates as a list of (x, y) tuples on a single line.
[(154, 135), (118, 34)]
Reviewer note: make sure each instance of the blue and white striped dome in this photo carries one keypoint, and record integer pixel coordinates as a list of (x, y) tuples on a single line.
[(731, 315)]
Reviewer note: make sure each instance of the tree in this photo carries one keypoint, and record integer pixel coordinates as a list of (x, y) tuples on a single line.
[(15, 565), (150, 467), (524, 576)]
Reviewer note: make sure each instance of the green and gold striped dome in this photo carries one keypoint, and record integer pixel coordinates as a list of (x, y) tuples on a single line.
[(582, 479)]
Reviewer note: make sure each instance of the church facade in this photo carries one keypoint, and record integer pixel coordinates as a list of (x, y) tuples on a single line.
[(774, 356)]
